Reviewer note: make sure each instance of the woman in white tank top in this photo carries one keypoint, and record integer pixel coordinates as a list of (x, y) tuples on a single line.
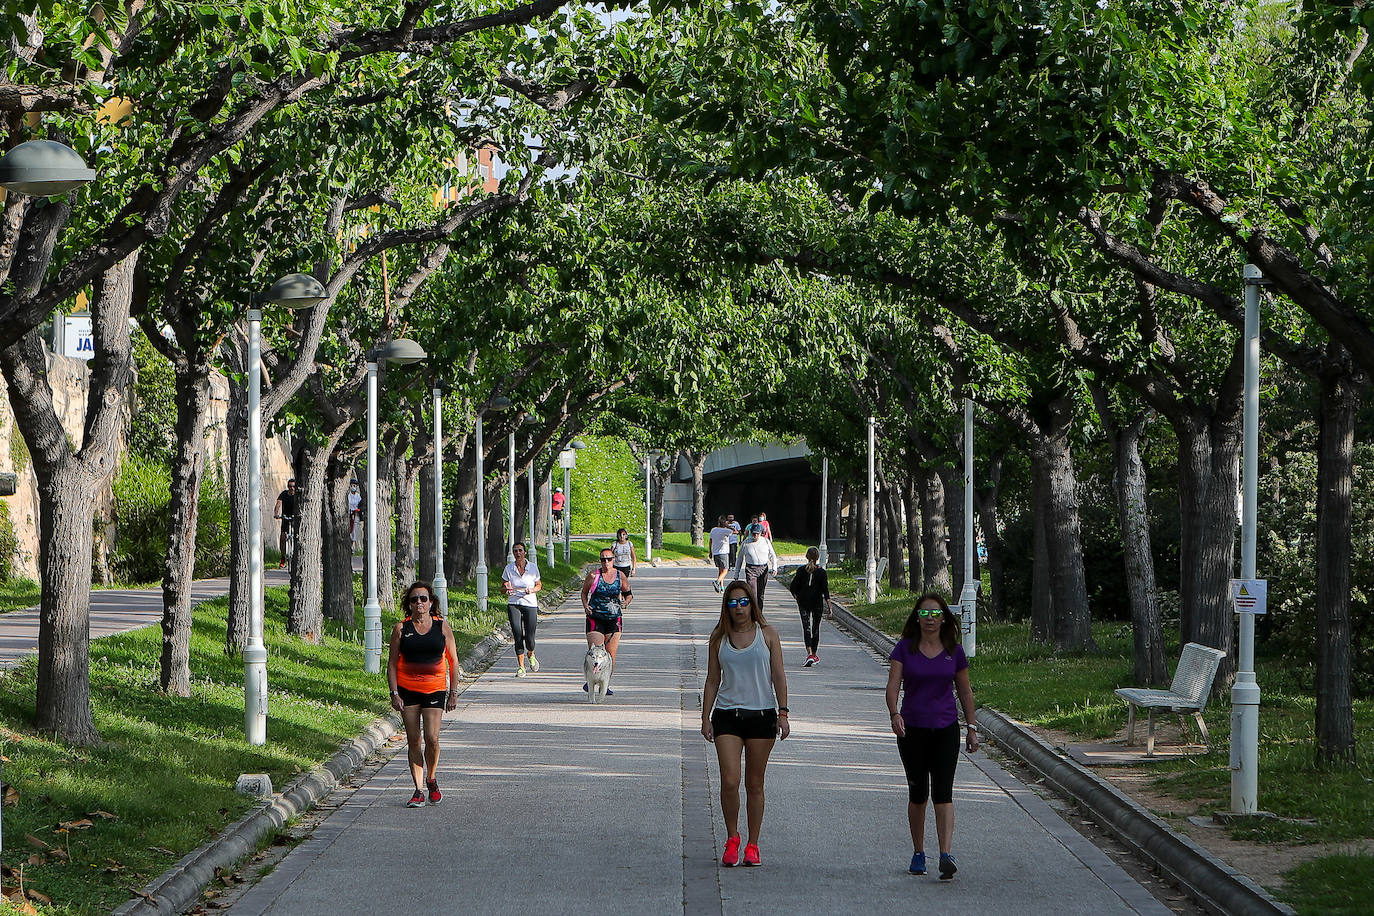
[(744, 710)]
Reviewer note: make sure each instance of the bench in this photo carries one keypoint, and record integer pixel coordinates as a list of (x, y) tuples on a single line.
[(1189, 692), (878, 569)]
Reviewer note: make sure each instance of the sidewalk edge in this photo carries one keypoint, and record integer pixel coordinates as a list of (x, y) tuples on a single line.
[(1213, 883)]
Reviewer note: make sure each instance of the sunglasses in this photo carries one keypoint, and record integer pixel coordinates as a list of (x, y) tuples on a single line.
[(419, 599), (742, 601), (930, 612), (607, 559)]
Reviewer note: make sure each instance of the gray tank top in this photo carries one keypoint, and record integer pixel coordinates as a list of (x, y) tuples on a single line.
[(746, 680)]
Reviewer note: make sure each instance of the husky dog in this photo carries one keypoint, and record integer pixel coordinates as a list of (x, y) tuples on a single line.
[(597, 668)]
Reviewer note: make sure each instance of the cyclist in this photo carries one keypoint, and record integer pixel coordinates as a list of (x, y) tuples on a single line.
[(286, 511)]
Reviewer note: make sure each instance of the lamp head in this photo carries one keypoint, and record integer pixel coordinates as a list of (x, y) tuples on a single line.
[(577, 443), (401, 351), (499, 403), (296, 291), (43, 168)]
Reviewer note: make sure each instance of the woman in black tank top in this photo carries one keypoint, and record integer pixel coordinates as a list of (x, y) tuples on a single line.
[(422, 669)]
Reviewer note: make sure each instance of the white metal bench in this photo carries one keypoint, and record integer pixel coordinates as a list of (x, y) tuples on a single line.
[(1189, 692), (878, 569)]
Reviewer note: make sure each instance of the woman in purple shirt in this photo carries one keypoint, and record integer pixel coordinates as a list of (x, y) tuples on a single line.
[(928, 667)]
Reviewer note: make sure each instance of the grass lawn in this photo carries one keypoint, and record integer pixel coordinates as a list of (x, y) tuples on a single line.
[(1073, 693), (677, 545), (18, 594), (88, 825)]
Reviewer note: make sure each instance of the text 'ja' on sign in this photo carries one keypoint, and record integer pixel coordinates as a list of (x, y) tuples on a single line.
[(1249, 596)]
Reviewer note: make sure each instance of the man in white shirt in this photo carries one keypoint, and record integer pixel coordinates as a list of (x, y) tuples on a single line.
[(734, 536), (720, 550), (355, 502)]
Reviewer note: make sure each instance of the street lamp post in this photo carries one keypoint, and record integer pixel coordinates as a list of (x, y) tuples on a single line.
[(648, 506), (550, 538), (1245, 692), (293, 291), (402, 352), (440, 583), (968, 599), (870, 564), (825, 505), (499, 403)]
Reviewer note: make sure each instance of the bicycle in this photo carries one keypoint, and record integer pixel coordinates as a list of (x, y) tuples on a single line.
[(288, 539)]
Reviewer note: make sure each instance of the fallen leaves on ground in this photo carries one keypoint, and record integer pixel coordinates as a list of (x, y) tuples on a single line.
[(84, 823)]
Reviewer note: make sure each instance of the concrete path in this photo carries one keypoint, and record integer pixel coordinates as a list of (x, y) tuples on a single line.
[(112, 611), (555, 806)]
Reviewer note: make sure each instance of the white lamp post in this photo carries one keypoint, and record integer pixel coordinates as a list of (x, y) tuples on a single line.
[(568, 465), (968, 598), (870, 564), (1245, 692), (440, 583), (402, 352), (496, 404), (825, 504), (550, 539), (648, 506), (293, 291)]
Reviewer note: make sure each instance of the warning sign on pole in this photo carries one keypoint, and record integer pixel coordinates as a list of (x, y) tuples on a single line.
[(1249, 596)]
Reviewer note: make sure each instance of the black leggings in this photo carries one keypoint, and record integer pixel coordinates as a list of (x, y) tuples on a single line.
[(929, 756), (811, 628), (523, 621)]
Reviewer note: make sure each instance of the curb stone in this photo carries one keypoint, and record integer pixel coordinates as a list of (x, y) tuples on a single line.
[(1215, 885), (180, 886)]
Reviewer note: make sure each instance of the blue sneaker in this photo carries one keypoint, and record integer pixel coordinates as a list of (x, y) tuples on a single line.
[(947, 866), (918, 863)]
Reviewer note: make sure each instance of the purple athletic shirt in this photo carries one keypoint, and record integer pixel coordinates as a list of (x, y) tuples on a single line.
[(928, 685)]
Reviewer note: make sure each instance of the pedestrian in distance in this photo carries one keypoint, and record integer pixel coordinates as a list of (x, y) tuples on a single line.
[(757, 561), (355, 513), (767, 529), (744, 711), (735, 529), (605, 595), (928, 668), (811, 587), (559, 501), (521, 583), (624, 550), (422, 669), (720, 550), (285, 509)]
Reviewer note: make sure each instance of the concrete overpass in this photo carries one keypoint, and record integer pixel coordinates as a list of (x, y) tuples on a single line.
[(748, 478)]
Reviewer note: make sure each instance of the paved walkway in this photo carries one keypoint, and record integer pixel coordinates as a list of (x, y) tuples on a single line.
[(112, 611), (553, 805)]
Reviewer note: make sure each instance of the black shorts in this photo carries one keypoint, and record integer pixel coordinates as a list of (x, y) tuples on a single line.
[(625, 578), (746, 723), (557, 513), (601, 625), (433, 700)]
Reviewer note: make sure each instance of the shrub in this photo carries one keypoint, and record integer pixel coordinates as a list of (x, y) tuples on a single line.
[(607, 488), (142, 497), (9, 544)]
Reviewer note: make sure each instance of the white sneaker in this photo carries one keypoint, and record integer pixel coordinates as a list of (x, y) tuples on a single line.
[(533, 663), (520, 672)]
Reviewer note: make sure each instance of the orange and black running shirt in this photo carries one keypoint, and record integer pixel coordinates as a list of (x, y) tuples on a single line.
[(421, 657)]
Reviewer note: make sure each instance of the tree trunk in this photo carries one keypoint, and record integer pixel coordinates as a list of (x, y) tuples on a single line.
[(1335, 725), (985, 501), (386, 588), (403, 476), (495, 523), (1072, 620), (425, 569), (912, 503), (542, 494), (892, 535), (67, 487), (858, 517), (1131, 495), (698, 528), (460, 544), (236, 420), (834, 499), (188, 469), (662, 473), (851, 530), (1042, 595), (953, 481), (305, 613), (934, 551), (338, 545), (1209, 452)]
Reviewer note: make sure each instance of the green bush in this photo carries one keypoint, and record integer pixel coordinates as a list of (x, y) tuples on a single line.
[(9, 544), (607, 488), (154, 403), (142, 497)]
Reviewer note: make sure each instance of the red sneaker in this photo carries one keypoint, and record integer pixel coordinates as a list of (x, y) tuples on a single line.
[(751, 854), (435, 796), (731, 857), (417, 800)]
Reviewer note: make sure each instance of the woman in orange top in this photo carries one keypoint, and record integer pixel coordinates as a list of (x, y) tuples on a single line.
[(422, 670)]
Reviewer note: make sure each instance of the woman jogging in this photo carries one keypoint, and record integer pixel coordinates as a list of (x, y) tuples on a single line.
[(744, 710), (605, 595), (928, 668), (624, 550), (521, 583), (756, 562), (811, 587), (422, 669)]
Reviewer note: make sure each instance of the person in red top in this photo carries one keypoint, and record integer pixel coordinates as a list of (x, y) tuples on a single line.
[(559, 502), (422, 669)]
